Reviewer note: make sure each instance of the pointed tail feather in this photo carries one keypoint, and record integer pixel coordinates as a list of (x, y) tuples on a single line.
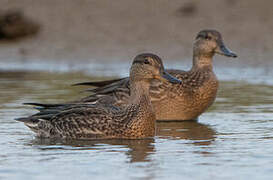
[(22, 119), (30, 122)]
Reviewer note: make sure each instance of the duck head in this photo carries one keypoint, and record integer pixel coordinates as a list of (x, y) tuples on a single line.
[(147, 67), (209, 42)]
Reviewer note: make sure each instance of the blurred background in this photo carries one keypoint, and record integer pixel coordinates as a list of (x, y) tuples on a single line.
[(68, 34)]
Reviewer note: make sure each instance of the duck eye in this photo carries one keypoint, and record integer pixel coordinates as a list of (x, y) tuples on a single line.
[(146, 61), (207, 37)]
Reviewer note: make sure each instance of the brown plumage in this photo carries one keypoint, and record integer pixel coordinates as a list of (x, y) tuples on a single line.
[(136, 119), (185, 101)]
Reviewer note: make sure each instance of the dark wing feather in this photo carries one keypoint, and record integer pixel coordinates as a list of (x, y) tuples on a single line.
[(98, 83), (47, 112), (109, 88), (118, 91), (104, 87)]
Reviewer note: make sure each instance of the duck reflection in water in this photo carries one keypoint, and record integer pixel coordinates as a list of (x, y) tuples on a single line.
[(198, 133), (138, 150)]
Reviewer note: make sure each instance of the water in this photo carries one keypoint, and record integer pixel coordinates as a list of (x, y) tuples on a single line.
[(233, 140)]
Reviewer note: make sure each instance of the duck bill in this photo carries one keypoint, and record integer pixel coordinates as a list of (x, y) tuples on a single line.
[(166, 77), (223, 50)]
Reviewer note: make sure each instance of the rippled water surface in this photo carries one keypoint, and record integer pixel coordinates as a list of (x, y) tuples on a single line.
[(233, 140)]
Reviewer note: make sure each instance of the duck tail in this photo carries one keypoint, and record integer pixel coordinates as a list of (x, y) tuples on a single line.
[(27, 120), (32, 123)]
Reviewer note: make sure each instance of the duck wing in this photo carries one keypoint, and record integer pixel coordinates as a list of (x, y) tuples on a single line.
[(48, 111), (75, 121), (117, 91)]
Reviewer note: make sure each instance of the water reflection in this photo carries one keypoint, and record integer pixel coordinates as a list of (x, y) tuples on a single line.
[(136, 150), (199, 133)]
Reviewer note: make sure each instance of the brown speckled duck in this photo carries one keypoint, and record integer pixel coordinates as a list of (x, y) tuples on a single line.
[(134, 120), (185, 101)]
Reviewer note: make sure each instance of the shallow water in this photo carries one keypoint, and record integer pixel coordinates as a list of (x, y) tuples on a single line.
[(233, 140)]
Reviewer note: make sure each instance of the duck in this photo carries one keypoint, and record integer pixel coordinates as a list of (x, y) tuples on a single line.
[(174, 102), (92, 121)]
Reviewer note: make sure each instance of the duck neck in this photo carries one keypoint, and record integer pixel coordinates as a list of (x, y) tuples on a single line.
[(144, 114), (140, 91), (201, 61)]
